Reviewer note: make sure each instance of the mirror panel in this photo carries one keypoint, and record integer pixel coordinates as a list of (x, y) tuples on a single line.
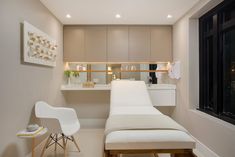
[(98, 77), (105, 73), (113, 72), (82, 75), (131, 75)]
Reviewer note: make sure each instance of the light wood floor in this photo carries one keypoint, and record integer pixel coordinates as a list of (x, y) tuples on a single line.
[(91, 144)]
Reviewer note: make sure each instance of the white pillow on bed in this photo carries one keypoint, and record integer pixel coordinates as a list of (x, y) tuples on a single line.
[(129, 93)]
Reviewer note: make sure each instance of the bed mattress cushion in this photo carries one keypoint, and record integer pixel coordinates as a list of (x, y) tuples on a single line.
[(141, 122), (130, 110), (129, 93), (148, 139)]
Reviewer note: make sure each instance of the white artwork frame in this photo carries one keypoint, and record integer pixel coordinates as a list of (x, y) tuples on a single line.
[(39, 48)]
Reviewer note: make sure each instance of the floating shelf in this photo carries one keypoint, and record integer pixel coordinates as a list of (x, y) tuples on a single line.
[(108, 87)]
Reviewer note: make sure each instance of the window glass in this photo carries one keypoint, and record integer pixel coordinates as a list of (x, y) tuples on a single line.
[(229, 72)]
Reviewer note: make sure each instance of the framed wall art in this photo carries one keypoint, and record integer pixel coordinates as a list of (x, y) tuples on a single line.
[(39, 48)]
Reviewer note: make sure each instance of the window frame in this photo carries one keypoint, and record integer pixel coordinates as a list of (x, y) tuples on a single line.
[(214, 106)]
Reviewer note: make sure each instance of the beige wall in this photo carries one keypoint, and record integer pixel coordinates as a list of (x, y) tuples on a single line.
[(92, 107), (216, 134), (21, 85)]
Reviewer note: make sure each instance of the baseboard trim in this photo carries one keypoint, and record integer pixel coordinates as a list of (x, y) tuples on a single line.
[(203, 151)]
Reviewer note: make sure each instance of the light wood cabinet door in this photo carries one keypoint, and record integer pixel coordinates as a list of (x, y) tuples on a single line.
[(74, 44), (139, 43), (95, 43), (117, 48), (161, 43)]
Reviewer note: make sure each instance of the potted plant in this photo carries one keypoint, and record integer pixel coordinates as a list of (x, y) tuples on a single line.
[(69, 73)]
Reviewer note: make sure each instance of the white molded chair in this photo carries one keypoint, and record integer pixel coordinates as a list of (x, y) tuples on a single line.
[(68, 122)]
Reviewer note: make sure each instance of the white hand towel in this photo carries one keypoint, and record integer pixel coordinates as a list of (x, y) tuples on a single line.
[(174, 70)]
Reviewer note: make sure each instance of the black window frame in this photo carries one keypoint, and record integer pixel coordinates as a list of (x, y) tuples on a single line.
[(211, 28)]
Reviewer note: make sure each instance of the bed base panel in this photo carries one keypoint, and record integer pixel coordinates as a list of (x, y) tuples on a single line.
[(173, 152)]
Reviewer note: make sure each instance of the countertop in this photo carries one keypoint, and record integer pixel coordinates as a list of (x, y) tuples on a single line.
[(74, 87)]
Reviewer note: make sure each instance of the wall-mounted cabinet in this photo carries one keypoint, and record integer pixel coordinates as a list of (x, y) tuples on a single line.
[(139, 44), (74, 44), (161, 43), (117, 47), (95, 44), (117, 43)]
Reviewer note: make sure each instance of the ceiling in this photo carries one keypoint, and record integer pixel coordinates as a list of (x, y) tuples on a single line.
[(131, 11)]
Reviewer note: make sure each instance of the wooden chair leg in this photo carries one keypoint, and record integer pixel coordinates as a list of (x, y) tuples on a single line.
[(74, 141), (64, 145), (56, 140), (33, 146), (44, 148)]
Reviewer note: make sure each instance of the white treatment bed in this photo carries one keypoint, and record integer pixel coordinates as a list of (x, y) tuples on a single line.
[(131, 98)]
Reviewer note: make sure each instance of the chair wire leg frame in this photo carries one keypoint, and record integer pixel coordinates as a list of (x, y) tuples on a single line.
[(54, 139)]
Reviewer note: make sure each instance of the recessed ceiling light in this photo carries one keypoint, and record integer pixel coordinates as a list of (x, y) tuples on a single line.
[(68, 16), (118, 16), (169, 16)]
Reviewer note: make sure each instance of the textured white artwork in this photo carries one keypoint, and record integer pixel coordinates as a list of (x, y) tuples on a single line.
[(39, 48)]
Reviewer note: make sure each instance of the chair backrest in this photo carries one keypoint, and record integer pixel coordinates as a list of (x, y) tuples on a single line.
[(129, 93), (67, 117), (43, 110)]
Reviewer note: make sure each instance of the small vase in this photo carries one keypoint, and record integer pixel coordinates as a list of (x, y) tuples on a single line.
[(69, 80)]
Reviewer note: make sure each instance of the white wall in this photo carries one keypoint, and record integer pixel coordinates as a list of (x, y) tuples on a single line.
[(21, 85), (217, 135)]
